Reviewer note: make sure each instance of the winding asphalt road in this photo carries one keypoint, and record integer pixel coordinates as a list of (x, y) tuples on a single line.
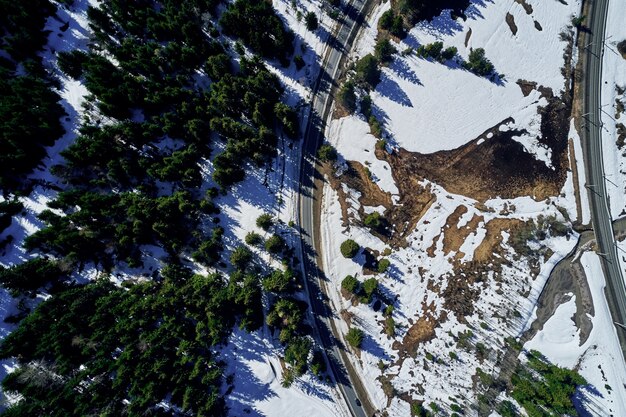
[(592, 143), (338, 45)]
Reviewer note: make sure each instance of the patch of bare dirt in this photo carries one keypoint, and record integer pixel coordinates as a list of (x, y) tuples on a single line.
[(414, 200), (421, 331), (454, 236), (510, 20), (574, 166), (526, 6), (492, 167), (526, 86), (468, 35)]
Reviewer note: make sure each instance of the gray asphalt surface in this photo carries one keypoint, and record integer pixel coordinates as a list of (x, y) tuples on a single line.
[(338, 45), (591, 134)]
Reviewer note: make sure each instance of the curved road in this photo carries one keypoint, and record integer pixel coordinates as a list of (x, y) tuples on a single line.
[(338, 45), (592, 143)]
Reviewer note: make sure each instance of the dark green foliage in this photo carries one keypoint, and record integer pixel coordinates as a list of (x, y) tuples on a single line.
[(311, 21), (296, 354), (367, 71), (209, 250), (265, 221), (414, 11), (350, 284), (288, 118), (253, 239), (347, 96), (30, 275), (383, 265), (71, 63), (368, 289), (8, 209), (448, 53), (393, 23), (478, 63), (431, 50), (241, 257), (257, 24), (318, 363), (366, 106), (299, 62), (118, 351), (355, 337), (287, 316), (29, 120), (280, 281), (544, 389), (275, 244), (507, 409), (373, 220), (349, 248), (384, 50), (327, 153)]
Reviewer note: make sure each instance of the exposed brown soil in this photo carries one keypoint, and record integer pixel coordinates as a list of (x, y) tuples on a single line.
[(493, 238), (510, 20), (421, 331), (413, 203), (526, 86), (468, 35), (495, 167), (454, 236), (526, 6)]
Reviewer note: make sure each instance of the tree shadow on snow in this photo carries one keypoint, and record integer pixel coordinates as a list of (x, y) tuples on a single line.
[(390, 89)]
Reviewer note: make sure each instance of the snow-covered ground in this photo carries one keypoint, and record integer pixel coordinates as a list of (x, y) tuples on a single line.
[(425, 107), (612, 93)]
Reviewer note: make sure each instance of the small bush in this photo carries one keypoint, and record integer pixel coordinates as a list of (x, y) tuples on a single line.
[(253, 239), (369, 289), (350, 284), (478, 63), (383, 265), (373, 220), (347, 97), (355, 337), (367, 70), (265, 221), (275, 244), (327, 153), (349, 248), (241, 257), (311, 21), (384, 51)]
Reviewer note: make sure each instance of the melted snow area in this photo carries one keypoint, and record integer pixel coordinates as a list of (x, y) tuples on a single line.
[(487, 284)]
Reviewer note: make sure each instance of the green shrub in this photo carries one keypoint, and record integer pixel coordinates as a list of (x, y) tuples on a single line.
[(347, 97), (275, 244), (241, 257), (383, 265), (367, 71), (327, 153), (478, 62), (355, 337), (265, 221), (373, 220), (253, 238), (350, 284), (369, 288), (384, 50), (349, 248), (311, 21)]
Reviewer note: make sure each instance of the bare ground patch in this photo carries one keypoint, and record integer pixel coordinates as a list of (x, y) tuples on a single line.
[(510, 20)]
